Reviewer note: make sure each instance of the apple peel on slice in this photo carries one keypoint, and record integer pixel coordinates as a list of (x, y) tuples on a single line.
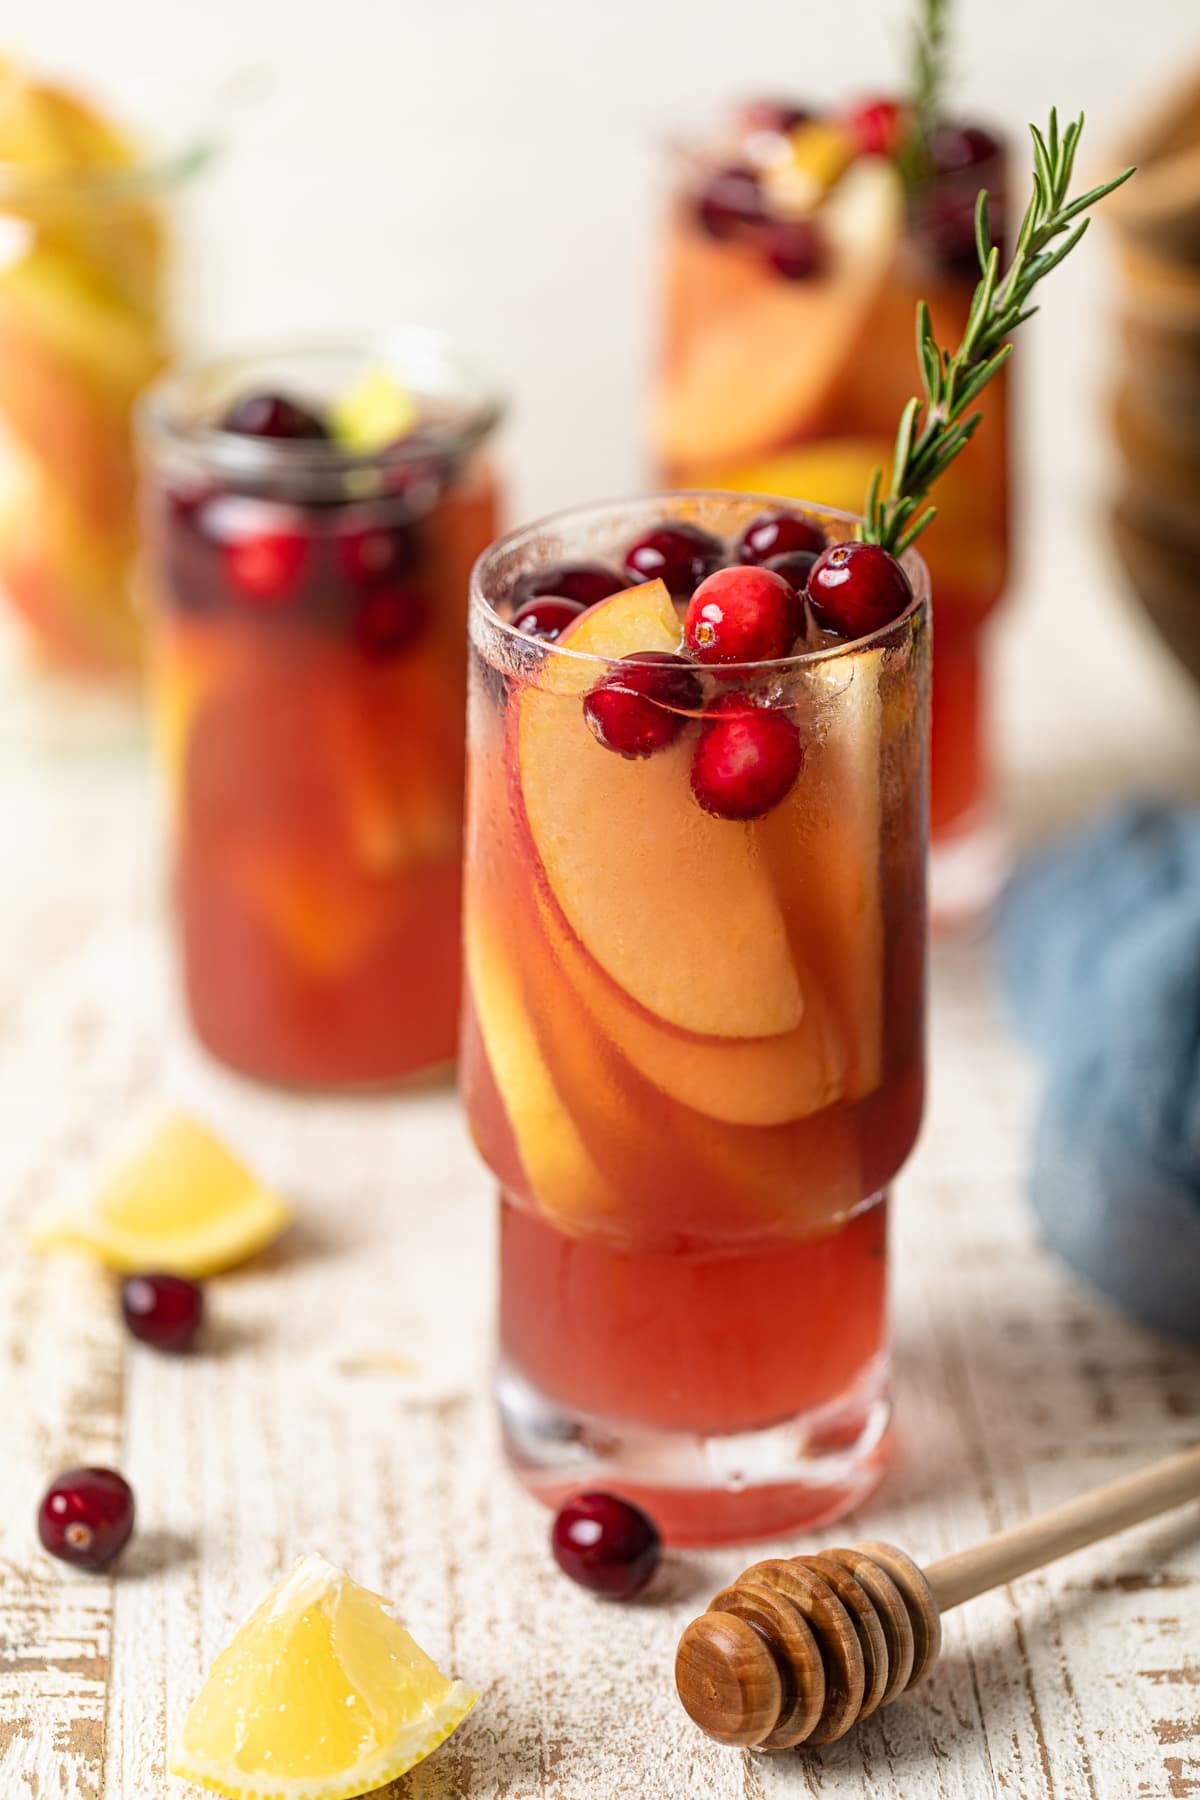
[(673, 905)]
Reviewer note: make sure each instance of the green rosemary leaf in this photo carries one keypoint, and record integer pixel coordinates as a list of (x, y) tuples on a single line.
[(983, 231), (910, 537)]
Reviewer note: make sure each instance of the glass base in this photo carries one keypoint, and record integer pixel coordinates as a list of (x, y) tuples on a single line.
[(803, 1472), (968, 865)]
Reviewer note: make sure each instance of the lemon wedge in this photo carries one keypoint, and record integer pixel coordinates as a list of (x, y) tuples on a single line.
[(373, 412), (183, 1204), (320, 1695)]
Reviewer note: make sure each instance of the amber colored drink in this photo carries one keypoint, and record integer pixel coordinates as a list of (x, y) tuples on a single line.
[(787, 357), (693, 1051), (308, 652)]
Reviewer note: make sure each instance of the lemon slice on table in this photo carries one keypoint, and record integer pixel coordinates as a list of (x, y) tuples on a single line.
[(183, 1204), (320, 1695)]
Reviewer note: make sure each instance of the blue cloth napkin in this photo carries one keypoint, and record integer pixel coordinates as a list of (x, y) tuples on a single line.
[(1100, 955)]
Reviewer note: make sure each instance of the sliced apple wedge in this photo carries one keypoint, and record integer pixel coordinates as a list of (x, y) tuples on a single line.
[(823, 846), (759, 357), (673, 905)]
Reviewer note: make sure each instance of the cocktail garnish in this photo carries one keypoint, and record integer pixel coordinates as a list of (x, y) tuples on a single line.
[(930, 59), (936, 428)]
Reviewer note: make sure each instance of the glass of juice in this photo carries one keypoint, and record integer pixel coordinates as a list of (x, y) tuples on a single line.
[(312, 519), (797, 246), (693, 1037), (83, 329)]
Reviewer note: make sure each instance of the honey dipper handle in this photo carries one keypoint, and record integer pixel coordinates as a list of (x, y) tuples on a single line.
[(1039, 1541)]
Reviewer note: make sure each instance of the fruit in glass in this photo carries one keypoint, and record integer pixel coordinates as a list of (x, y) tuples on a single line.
[(312, 522), (693, 1027)]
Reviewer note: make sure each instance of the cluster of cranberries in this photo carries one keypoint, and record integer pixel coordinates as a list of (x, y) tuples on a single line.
[(734, 202), (748, 611), (273, 553), (86, 1516)]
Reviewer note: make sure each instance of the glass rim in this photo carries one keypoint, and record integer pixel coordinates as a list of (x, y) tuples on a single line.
[(163, 416), (481, 607), (130, 182)]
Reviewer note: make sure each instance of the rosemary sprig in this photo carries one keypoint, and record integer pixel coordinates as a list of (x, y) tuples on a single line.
[(936, 428), (930, 64)]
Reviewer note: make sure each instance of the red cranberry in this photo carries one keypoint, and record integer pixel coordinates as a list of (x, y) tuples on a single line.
[(86, 1517), (606, 1544), (374, 553), (681, 555), (732, 198), (954, 147), (584, 581), (795, 249), (877, 126), (741, 615), (638, 707), (546, 618), (388, 620), (855, 588), (747, 758), (273, 416), (266, 566), (795, 566), (163, 1310), (774, 533), (779, 116)]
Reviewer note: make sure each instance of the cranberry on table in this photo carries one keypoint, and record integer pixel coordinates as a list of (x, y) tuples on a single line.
[(747, 758), (740, 615), (857, 588), (388, 620), (274, 416), (731, 198), (795, 249), (164, 1310), (773, 533), (547, 617), (86, 1517), (606, 1544), (877, 126), (638, 707), (585, 582), (680, 555)]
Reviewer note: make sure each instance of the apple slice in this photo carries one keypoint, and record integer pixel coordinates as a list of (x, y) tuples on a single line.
[(564, 1180), (756, 358), (823, 844), (672, 904)]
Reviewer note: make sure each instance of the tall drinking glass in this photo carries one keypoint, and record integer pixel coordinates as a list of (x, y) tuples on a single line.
[(693, 1046)]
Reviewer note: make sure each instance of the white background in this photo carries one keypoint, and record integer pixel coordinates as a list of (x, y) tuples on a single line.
[(491, 166)]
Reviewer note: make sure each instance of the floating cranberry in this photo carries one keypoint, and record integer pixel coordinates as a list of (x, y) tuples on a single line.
[(375, 553), (945, 221), (274, 416), (795, 566), (779, 116), (855, 588), (547, 617), (586, 582), (877, 126), (86, 1517), (741, 615), (640, 704), (747, 758), (774, 533), (163, 1310), (953, 147), (388, 620), (681, 555), (606, 1544), (266, 566), (731, 199), (795, 249)]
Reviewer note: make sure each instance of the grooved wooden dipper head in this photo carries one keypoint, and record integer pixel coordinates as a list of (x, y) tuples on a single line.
[(798, 1650)]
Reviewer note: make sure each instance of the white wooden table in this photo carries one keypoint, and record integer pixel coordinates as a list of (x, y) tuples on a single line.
[(290, 1432)]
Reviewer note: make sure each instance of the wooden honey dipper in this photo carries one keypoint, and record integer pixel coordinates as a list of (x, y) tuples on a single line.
[(799, 1649)]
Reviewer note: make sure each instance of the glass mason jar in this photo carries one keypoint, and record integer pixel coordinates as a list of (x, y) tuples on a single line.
[(693, 1047), (83, 329), (307, 615), (787, 355)]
